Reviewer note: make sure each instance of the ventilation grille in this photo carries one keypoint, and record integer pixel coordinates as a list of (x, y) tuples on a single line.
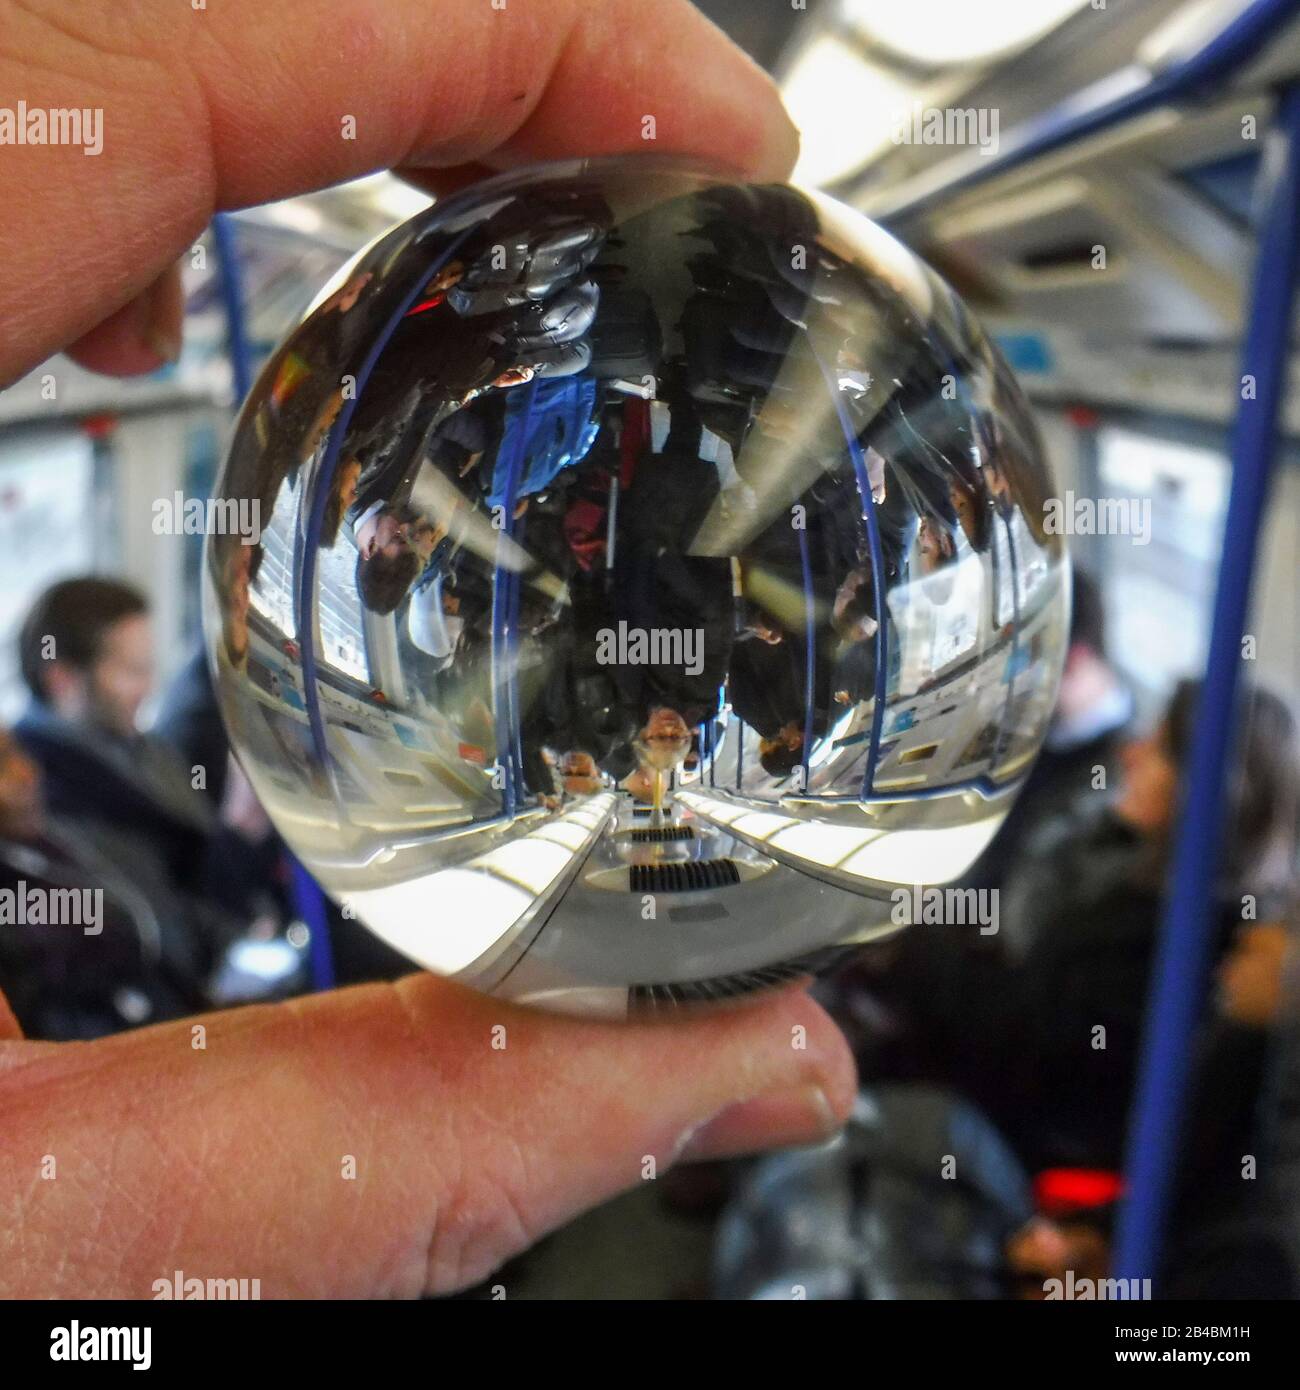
[(659, 833), (682, 878), (645, 999), (666, 998)]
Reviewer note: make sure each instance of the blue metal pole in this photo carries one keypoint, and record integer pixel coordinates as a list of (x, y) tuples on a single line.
[(504, 645), (810, 653), (231, 279), (877, 554), (1183, 953)]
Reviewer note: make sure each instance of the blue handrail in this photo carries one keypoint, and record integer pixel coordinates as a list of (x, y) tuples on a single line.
[(1185, 940), (810, 651), (231, 280), (1183, 951), (877, 553)]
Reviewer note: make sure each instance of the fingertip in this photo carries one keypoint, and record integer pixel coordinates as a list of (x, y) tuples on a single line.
[(140, 337)]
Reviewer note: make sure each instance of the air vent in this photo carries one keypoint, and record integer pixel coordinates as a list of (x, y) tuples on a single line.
[(644, 999), (1077, 255), (659, 833), (682, 878)]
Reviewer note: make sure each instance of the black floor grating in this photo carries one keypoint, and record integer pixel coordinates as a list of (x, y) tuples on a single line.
[(688, 877)]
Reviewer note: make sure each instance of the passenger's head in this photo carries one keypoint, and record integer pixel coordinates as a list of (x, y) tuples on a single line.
[(387, 563), (936, 545), (1263, 791), (783, 752), (580, 773), (86, 652), (664, 740), (970, 504), (22, 801)]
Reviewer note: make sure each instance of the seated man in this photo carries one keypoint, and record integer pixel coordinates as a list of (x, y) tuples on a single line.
[(86, 654)]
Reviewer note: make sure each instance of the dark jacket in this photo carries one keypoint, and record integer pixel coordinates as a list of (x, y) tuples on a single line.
[(140, 961)]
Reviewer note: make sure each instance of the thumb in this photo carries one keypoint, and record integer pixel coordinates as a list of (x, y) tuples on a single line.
[(382, 1140)]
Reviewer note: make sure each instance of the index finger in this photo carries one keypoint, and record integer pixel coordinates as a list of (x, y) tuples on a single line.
[(238, 103)]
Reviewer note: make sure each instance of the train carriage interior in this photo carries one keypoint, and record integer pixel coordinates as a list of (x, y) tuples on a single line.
[(629, 591)]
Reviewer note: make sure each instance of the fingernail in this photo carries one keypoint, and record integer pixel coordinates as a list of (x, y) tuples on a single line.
[(161, 312), (163, 346), (781, 1119)]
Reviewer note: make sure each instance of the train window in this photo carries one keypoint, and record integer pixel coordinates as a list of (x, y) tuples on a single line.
[(47, 531), (342, 641), (1157, 533)]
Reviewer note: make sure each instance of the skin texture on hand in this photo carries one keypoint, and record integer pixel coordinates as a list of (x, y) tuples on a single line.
[(386, 1140), (389, 1139)]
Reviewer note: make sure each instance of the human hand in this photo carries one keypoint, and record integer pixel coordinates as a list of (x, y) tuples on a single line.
[(242, 102), (376, 1141), (369, 1140)]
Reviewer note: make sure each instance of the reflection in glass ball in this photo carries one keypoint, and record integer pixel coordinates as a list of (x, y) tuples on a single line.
[(652, 590)]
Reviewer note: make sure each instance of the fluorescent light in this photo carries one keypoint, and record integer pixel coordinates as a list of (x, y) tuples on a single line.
[(936, 855), (445, 920), (758, 825), (923, 856), (532, 862), (820, 843), (843, 106), (936, 33)]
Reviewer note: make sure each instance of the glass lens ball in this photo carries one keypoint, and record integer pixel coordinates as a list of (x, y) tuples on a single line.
[(641, 590)]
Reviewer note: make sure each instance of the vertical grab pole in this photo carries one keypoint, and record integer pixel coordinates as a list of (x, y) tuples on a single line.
[(230, 277), (1183, 952)]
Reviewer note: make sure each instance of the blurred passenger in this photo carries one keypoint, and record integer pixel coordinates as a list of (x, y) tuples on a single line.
[(1049, 1047), (1041, 1027), (1081, 917), (1094, 709), (580, 773), (87, 658), (91, 941)]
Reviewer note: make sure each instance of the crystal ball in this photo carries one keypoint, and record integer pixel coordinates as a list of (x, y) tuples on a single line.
[(637, 589)]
